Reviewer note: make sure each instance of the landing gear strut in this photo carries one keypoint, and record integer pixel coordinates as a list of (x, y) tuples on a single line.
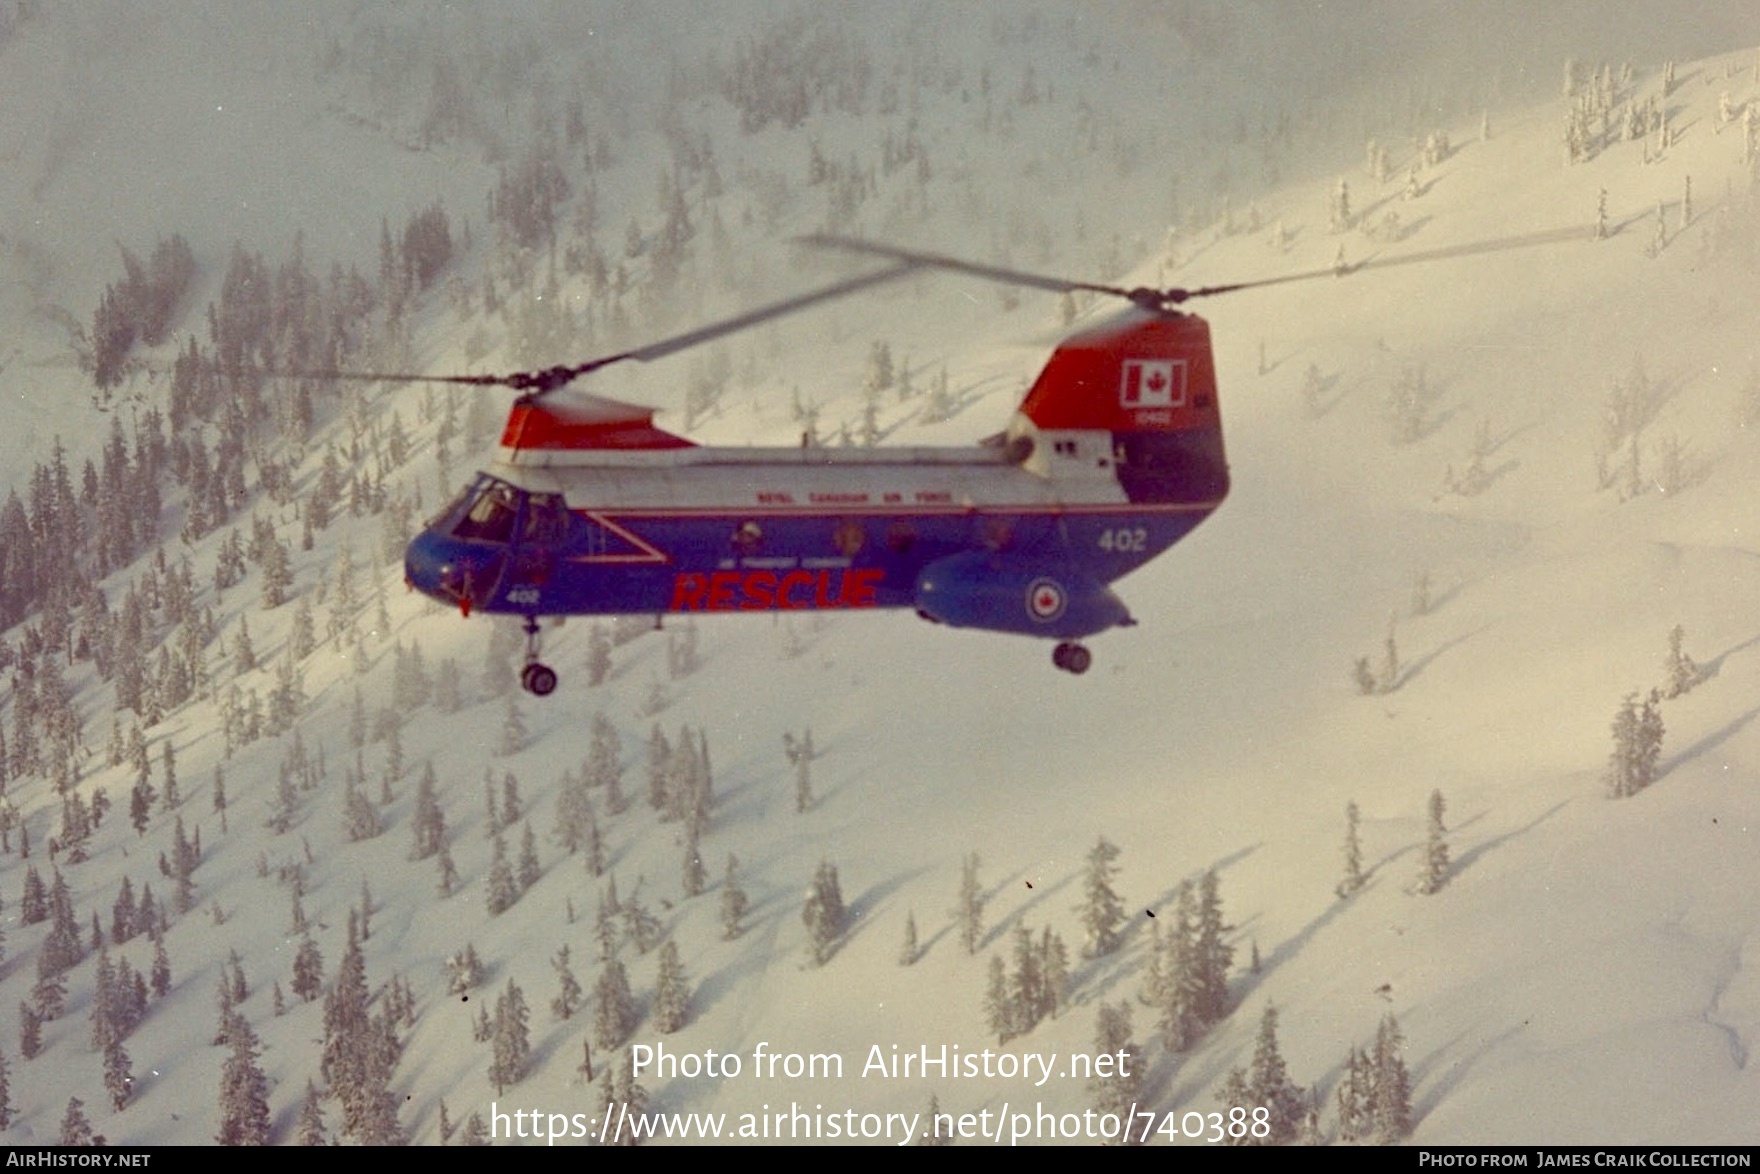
[(537, 679), (1072, 658)]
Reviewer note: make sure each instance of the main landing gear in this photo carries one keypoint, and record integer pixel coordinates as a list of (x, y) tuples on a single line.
[(1072, 658), (537, 679)]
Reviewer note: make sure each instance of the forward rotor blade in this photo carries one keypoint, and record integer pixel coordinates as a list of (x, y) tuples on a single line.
[(849, 244), (537, 383), (751, 318)]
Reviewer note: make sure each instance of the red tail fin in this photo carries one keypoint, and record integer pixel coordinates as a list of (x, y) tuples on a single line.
[(1140, 372)]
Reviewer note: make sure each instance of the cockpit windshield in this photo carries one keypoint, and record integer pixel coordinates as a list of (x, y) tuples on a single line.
[(494, 507)]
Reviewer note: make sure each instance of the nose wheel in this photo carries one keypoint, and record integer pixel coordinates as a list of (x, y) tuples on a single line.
[(1072, 658), (536, 678)]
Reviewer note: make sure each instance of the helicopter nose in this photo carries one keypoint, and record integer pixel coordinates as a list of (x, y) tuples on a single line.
[(454, 572)]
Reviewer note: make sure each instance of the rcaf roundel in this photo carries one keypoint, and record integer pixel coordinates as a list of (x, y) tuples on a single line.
[(1153, 383), (1046, 600)]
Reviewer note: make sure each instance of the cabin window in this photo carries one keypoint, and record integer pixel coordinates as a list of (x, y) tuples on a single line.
[(748, 537), (546, 519)]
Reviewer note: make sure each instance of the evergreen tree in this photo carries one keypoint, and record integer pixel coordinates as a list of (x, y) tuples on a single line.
[(511, 1039), (1391, 1101), (529, 871), (244, 1090), (604, 767), (970, 910), (30, 1031), (1683, 672), (1435, 858), (614, 1009), (672, 994), (1268, 1085), (503, 889), (733, 901), (359, 1053), (908, 951), (1637, 746), (619, 1087), (311, 1129), (6, 1109), (568, 994), (1120, 1091), (823, 912), (1353, 853), (429, 823), (1212, 955), (695, 876), (308, 970), (598, 655), (1102, 912), (118, 1074), (574, 812), (75, 1128), (1355, 1097), (999, 1010)]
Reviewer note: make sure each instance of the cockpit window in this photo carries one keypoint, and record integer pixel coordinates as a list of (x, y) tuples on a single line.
[(491, 515)]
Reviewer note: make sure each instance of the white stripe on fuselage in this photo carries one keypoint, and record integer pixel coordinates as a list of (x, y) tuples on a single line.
[(1069, 470)]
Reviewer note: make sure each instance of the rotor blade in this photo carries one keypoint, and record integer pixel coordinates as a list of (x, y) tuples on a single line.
[(548, 379), (1152, 298), (750, 318), (848, 244), (1549, 237)]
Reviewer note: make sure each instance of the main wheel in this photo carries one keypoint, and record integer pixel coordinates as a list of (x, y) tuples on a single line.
[(1078, 659), (1060, 655), (538, 679)]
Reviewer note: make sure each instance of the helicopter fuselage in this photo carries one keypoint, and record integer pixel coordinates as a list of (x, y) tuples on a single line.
[(1114, 456)]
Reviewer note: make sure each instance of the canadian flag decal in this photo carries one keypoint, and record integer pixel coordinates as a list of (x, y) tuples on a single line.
[(1153, 383)]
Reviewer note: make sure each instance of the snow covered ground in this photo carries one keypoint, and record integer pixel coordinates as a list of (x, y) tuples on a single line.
[(1587, 972)]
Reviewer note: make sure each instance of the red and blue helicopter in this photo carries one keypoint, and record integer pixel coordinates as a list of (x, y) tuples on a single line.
[(1114, 455)]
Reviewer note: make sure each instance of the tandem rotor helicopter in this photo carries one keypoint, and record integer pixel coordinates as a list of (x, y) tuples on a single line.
[(1114, 455)]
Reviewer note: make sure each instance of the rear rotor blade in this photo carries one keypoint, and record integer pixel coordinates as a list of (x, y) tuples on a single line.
[(1175, 295)]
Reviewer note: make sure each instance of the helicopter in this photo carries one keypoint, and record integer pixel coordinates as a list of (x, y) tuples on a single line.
[(1114, 455)]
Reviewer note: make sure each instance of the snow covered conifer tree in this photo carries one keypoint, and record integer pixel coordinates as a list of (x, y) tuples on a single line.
[(1102, 912), (1435, 859), (1683, 673), (999, 1011), (1637, 745), (511, 1039), (568, 994), (733, 900), (672, 993), (1353, 853), (1112, 1037), (244, 1090), (76, 1129), (1268, 1084), (614, 1009), (970, 910), (503, 888), (1212, 954), (1391, 1097), (823, 912)]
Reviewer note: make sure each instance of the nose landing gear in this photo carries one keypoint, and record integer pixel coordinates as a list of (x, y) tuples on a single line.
[(536, 678)]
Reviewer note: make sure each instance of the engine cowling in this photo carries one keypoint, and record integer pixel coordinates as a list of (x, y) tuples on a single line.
[(1001, 593)]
